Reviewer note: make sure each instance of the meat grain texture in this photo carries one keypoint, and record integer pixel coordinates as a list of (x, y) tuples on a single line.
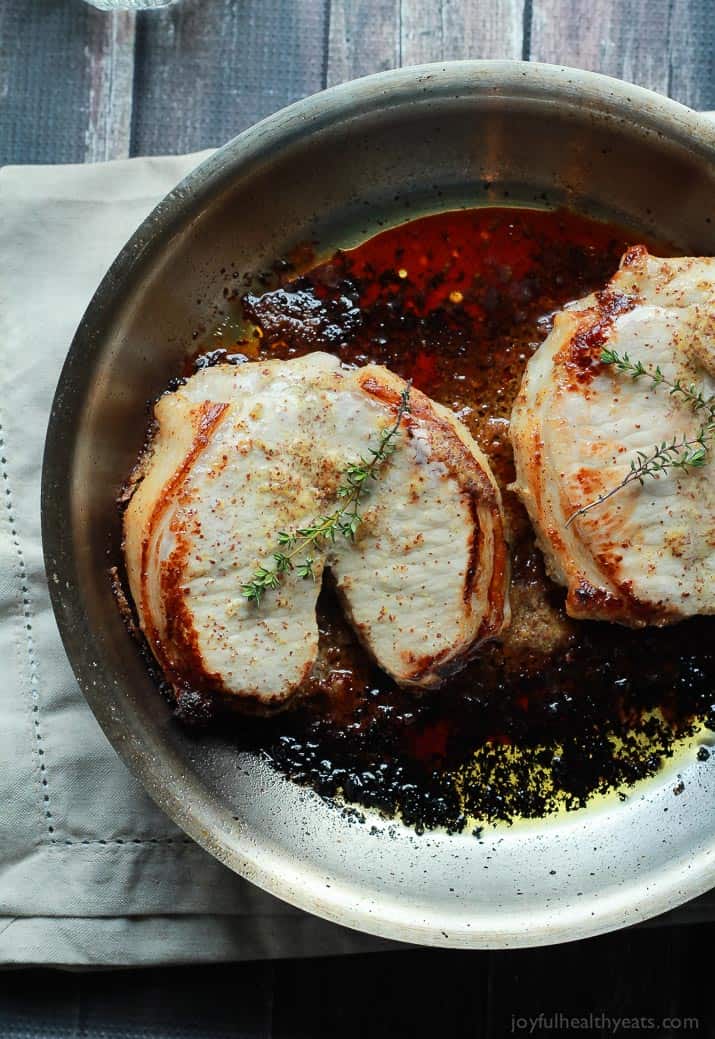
[(647, 555), (241, 453)]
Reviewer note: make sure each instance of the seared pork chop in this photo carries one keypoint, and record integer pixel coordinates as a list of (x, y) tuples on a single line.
[(241, 453), (647, 554)]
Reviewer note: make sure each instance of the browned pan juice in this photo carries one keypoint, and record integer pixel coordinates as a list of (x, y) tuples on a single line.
[(558, 710)]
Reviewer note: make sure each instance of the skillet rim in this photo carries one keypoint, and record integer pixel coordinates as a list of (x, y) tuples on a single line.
[(606, 98)]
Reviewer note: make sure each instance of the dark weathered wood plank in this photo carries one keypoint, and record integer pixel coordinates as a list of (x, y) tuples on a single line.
[(363, 37), (43, 83), (110, 70), (483, 30), (422, 31), (66, 74), (692, 53), (368, 36), (665, 45), (206, 71), (610, 36)]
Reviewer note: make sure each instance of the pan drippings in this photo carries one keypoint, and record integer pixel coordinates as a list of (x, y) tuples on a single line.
[(556, 711)]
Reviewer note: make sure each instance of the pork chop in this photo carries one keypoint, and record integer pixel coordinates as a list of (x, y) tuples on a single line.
[(647, 554), (242, 453)]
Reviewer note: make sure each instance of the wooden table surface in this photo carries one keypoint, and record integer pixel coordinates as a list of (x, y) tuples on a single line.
[(78, 85)]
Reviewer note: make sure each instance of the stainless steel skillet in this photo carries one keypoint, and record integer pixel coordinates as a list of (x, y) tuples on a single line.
[(331, 169)]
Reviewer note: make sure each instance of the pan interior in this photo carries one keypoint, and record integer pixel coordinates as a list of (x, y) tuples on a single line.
[(332, 171)]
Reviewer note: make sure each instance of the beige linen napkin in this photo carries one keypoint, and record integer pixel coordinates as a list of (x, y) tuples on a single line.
[(91, 872)]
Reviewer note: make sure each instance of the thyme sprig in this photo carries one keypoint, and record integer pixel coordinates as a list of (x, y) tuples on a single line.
[(692, 394), (684, 453), (344, 521)]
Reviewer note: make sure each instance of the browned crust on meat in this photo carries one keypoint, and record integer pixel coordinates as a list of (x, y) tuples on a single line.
[(188, 667), (476, 545), (534, 501), (582, 354), (429, 663), (123, 605), (496, 615), (449, 449), (447, 446), (614, 601), (586, 602), (636, 255)]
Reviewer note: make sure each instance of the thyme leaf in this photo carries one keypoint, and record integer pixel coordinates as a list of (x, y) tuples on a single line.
[(693, 395), (344, 521), (683, 453)]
